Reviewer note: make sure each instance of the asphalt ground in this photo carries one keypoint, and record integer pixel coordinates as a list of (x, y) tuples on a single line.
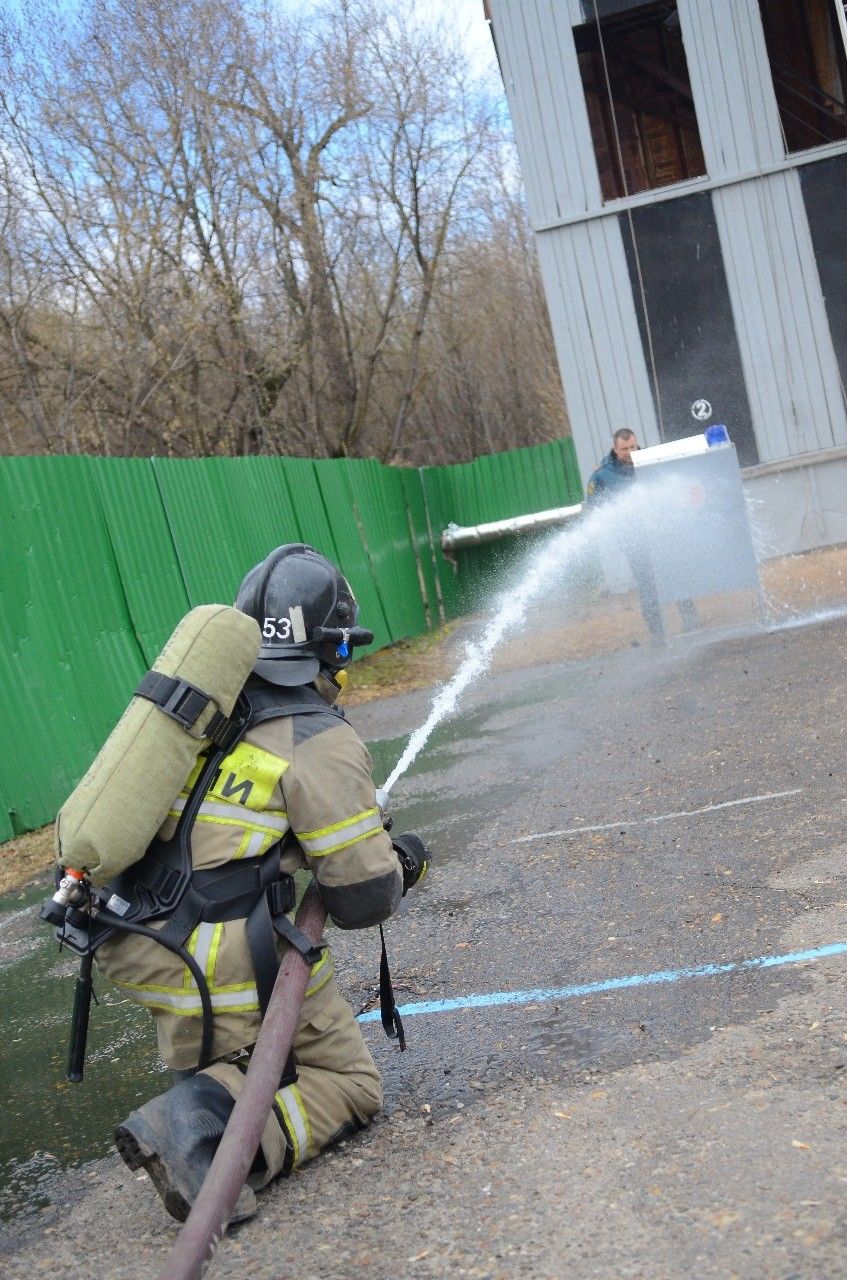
[(688, 1127)]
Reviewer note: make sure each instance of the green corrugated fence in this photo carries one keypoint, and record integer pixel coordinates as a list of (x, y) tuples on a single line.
[(495, 487), (101, 557)]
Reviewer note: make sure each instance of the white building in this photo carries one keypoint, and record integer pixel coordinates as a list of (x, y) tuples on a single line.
[(685, 164)]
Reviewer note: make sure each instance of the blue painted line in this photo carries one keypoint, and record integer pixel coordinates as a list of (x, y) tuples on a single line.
[(541, 995)]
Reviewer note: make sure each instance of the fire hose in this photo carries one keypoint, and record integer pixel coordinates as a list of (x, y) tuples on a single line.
[(206, 1223)]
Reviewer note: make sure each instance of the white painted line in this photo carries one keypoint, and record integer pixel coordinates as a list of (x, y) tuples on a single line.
[(662, 817)]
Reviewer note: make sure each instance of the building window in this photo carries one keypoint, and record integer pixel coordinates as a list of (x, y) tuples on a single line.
[(688, 334), (640, 106), (824, 186), (805, 43)]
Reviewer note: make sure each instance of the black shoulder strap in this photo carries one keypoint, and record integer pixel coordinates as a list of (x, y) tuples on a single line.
[(269, 702)]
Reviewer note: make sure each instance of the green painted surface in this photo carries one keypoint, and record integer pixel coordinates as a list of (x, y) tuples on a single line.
[(6, 828), (143, 548), (419, 532), (225, 515), (379, 501), (353, 552), (103, 556), (68, 652)]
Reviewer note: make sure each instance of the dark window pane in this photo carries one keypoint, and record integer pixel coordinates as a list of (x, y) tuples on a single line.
[(592, 9), (685, 315), (645, 133), (809, 69), (825, 193)]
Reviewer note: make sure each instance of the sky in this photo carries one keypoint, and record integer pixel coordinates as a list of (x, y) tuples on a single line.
[(468, 19), (465, 15)]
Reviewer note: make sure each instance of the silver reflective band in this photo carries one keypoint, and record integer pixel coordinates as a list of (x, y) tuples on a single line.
[(343, 836), (205, 937), (255, 845), (190, 1002), (292, 1108), (237, 813)]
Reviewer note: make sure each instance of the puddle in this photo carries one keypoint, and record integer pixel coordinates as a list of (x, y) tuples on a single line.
[(50, 1125), (444, 750), (567, 1043), (457, 738)]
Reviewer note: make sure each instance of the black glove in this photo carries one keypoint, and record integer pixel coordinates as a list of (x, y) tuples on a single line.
[(414, 858)]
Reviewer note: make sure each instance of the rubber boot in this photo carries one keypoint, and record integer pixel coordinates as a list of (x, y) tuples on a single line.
[(175, 1137)]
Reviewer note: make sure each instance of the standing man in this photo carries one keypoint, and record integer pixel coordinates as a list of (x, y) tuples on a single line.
[(293, 792), (615, 474)]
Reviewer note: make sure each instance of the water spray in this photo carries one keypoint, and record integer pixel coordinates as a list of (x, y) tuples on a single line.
[(613, 517), (476, 658)]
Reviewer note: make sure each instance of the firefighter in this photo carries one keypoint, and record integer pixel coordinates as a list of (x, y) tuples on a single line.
[(294, 792)]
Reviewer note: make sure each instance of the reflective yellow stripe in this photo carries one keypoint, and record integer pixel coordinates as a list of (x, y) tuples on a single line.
[(345, 844), (341, 834), (165, 989), (233, 997), (321, 974), (267, 820), (203, 945), (337, 826), (191, 947), (217, 938), (238, 998), (254, 844), (296, 1121)]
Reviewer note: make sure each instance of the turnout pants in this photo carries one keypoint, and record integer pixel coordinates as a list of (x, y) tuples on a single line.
[(337, 1091)]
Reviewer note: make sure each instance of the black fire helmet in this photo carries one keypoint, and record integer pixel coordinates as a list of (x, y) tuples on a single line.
[(306, 611)]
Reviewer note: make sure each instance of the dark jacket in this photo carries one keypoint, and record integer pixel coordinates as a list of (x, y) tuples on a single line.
[(611, 476)]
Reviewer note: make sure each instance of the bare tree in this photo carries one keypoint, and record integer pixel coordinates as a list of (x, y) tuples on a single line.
[(234, 228), (428, 131)]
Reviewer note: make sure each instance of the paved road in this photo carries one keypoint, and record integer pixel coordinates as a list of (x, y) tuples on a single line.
[(680, 1128)]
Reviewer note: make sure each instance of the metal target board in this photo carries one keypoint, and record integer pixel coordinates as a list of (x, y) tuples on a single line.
[(703, 544)]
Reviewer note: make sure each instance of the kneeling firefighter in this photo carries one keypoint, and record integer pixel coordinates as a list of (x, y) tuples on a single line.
[(291, 788)]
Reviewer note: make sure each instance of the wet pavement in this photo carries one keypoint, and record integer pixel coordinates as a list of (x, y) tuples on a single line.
[(692, 1127)]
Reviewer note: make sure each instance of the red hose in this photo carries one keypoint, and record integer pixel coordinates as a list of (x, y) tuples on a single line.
[(207, 1221)]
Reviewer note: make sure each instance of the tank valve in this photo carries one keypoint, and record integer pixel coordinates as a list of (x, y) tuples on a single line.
[(71, 895)]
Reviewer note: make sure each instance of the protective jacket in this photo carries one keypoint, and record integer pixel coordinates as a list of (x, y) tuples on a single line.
[(612, 475), (306, 774)]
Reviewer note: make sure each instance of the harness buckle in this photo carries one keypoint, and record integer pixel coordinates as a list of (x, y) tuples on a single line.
[(186, 705), (281, 896), (167, 882), (179, 699)]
